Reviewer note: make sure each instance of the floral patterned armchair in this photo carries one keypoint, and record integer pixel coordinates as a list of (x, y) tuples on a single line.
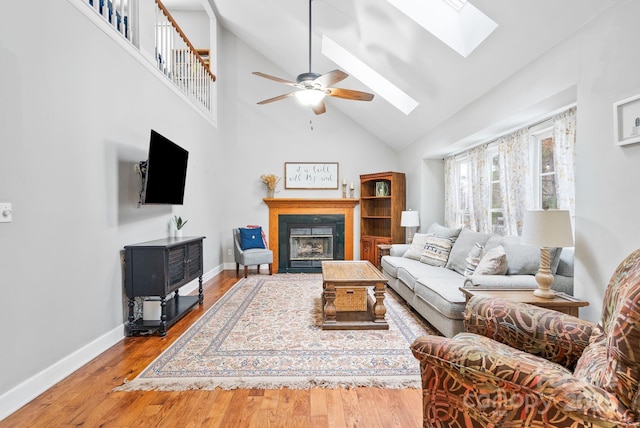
[(523, 366)]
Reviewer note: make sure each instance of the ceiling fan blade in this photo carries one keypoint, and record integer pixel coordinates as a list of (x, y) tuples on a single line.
[(331, 78), (319, 108), (278, 98), (350, 94), (277, 79)]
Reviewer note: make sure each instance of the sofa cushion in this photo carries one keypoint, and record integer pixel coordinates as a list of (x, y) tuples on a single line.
[(257, 256), (593, 361), (436, 251), (523, 259), (443, 232), (398, 250), (391, 264), (417, 245), (494, 262), (409, 274), (460, 250), (565, 265), (474, 257), (441, 289)]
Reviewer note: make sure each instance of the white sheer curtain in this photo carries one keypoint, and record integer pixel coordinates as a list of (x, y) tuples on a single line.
[(474, 212), (479, 194), (564, 155), (516, 185), (516, 177), (450, 193)]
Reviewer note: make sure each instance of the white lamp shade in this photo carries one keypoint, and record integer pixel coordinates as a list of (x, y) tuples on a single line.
[(547, 228), (410, 219)]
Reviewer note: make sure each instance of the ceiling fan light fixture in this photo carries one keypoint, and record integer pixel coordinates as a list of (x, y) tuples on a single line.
[(314, 87), (310, 97)]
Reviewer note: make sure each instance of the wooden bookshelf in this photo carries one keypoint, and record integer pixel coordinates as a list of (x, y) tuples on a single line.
[(382, 200)]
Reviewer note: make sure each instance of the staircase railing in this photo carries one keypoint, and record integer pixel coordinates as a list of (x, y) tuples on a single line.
[(175, 56), (180, 61), (118, 13)]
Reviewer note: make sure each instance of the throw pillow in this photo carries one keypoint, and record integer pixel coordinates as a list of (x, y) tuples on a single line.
[(465, 242), (494, 262), (264, 237), (251, 238), (417, 245), (443, 232), (436, 251), (523, 259), (474, 257)]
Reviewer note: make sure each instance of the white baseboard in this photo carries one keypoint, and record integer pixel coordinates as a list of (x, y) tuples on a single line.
[(232, 266), (23, 393), (193, 285)]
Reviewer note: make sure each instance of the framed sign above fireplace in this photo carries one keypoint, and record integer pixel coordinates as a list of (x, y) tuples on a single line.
[(308, 175)]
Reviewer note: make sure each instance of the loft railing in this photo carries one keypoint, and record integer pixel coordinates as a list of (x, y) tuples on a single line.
[(118, 13), (175, 56), (180, 61)]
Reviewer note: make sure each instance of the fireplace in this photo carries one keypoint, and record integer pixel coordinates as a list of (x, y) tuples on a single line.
[(281, 208), (310, 244), (306, 240)]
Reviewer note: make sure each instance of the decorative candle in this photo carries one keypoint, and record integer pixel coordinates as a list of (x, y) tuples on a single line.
[(344, 181), (351, 187)]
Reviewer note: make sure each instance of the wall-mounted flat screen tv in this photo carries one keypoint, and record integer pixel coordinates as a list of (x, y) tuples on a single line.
[(165, 174)]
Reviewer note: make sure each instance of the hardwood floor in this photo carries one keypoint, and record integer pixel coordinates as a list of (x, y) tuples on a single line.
[(86, 398)]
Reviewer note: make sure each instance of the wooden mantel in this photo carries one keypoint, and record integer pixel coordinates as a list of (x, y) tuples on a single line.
[(277, 206)]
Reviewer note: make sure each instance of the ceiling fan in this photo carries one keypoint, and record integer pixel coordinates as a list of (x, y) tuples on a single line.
[(313, 87)]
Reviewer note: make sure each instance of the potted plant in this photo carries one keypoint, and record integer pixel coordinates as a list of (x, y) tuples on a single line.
[(179, 222)]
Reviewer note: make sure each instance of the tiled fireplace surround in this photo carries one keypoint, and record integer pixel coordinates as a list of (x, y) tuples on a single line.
[(323, 208)]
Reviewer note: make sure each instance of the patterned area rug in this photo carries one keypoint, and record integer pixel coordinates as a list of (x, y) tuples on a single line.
[(265, 333)]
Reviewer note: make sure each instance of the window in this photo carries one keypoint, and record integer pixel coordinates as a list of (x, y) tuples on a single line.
[(491, 186), (545, 193), (496, 211)]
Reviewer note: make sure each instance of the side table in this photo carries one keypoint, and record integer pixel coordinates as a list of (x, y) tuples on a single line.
[(383, 250), (561, 303)]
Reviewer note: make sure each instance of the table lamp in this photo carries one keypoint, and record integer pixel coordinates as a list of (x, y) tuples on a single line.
[(409, 219), (546, 229)]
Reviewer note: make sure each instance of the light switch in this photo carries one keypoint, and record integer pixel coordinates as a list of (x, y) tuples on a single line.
[(5, 212)]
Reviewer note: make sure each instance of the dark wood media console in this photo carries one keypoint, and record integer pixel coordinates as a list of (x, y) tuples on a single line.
[(159, 268)]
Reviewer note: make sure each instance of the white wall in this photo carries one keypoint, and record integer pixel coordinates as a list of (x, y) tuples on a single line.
[(259, 139), (595, 67), (75, 112), (195, 24), (607, 202)]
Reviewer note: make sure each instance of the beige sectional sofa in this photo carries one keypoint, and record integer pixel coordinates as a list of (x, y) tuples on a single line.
[(430, 283)]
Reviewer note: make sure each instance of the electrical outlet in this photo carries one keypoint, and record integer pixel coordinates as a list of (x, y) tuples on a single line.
[(6, 215), (229, 252)]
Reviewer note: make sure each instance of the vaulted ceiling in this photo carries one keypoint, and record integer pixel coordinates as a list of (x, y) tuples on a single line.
[(380, 35)]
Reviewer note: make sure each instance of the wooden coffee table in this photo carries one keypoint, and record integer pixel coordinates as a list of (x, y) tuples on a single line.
[(346, 303), (561, 303)]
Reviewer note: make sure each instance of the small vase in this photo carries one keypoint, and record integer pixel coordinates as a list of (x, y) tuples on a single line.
[(177, 233), (270, 193)]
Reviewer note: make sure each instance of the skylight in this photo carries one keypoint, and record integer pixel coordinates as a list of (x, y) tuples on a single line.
[(368, 76), (456, 4), (457, 23)]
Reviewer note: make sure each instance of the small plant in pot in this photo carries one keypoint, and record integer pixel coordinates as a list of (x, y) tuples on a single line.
[(179, 222)]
